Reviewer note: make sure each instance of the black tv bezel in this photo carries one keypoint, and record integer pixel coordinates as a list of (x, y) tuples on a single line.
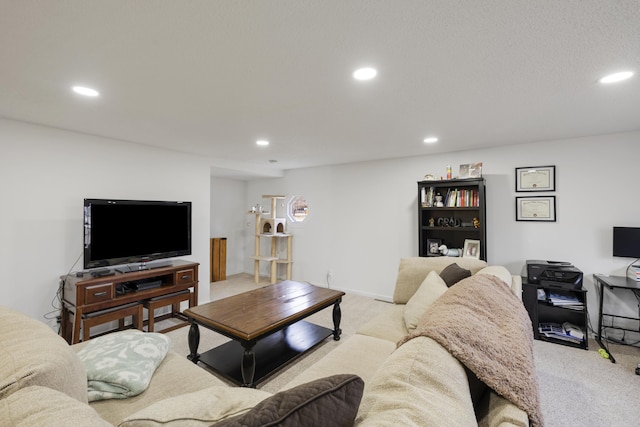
[(89, 263), (625, 252)]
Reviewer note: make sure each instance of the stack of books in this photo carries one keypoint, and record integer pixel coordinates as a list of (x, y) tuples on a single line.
[(634, 273), (565, 332), (462, 198), (564, 300)]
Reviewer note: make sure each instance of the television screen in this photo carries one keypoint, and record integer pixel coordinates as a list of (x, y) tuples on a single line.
[(130, 231), (626, 242)]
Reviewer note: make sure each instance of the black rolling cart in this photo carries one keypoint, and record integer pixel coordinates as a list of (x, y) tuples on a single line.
[(543, 311)]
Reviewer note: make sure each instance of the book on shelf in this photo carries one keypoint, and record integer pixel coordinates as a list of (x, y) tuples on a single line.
[(454, 198), (562, 300), (450, 198), (467, 198), (427, 197), (565, 332)]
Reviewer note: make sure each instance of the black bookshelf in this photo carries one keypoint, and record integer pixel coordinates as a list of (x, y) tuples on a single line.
[(452, 225)]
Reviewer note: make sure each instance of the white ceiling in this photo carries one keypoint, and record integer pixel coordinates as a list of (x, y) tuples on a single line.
[(210, 77)]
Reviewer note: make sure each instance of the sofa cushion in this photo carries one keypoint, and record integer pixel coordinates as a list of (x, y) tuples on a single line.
[(431, 288), (420, 384), (453, 273), (336, 398), (36, 406), (388, 325), (32, 354), (200, 408), (498, 271), (360, 355), (190, 377), (494, 410), (413, 270)]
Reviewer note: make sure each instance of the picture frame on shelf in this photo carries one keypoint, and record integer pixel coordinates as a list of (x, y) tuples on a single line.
[(470, 170), (535, 178), (536, 208), (432, 247), (471, 249)]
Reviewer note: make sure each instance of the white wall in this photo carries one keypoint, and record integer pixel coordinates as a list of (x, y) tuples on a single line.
[(46, 173), (363, 217), (228, 217)]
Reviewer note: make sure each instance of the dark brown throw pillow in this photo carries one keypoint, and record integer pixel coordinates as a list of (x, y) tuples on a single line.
[(333, 400), (453, 273)]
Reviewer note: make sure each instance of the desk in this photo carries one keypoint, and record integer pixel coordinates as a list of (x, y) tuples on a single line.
[(83, 296), (612, 283)]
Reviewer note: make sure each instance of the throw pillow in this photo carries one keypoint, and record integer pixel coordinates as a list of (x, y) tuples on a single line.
[(200, 408), (335, 398), (430, 290), (413, 270), (32, 354), (499, 271), (453, 273)]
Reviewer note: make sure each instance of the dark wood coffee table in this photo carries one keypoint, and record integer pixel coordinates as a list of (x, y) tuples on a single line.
[(266, 329)]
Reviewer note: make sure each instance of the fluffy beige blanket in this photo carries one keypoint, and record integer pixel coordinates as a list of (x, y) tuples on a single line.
[(486, 327)]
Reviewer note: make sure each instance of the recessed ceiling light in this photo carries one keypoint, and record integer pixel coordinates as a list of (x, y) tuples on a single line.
[(262, 142), (431, 140), (365, 73), (86, 91), (616, 77)]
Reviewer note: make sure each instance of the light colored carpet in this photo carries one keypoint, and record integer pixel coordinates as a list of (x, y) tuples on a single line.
[(577, 387)]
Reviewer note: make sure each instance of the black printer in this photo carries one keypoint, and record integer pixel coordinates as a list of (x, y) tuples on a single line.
[(559, 274)]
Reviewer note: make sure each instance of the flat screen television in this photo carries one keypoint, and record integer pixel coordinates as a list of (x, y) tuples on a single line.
[(626, 242), (120, 232)]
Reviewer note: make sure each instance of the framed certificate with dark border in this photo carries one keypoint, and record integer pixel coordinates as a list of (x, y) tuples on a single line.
[(536, 208), (536, 178)]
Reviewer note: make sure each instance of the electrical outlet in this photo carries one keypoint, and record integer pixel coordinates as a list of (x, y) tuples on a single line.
[(330, 273)]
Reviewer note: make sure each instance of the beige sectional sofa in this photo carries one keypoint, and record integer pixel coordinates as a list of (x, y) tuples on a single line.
[(418, 383), (43, 382)]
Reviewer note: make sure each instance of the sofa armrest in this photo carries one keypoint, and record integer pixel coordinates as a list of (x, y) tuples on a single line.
[(516, 286)]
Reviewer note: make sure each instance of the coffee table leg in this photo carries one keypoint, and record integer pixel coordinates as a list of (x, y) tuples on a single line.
[(194, 341), (248, 364), (337, 316)]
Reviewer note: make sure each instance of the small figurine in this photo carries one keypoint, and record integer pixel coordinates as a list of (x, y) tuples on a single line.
[(439, 203), (431, 222), (453, 252), (476, 223)]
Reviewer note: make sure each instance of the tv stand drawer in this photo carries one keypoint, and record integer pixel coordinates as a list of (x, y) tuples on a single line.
[(185, 276), (98, 293)]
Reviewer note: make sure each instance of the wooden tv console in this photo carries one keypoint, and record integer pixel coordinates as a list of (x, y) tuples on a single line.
[(88, 295)]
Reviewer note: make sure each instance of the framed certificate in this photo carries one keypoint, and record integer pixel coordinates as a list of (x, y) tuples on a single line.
[(537, 208), (536, 178)]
